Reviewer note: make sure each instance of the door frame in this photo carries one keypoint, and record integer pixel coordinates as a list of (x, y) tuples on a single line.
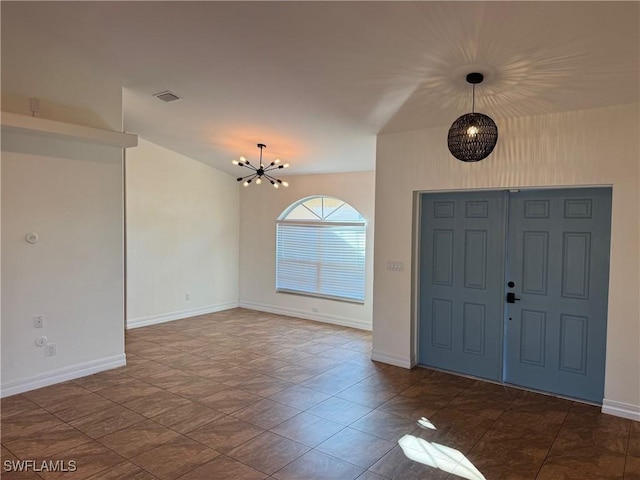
[(415, 265)]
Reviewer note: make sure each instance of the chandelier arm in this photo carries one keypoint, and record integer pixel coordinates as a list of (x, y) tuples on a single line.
[(272, 178), (248, 165), (252, 175)]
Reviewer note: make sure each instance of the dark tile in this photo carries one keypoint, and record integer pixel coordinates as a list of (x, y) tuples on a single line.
[(224, 467), (608, 464), (90, 459), (369, 395), (510, 464), (552, 471), (299, 397), (268, 452), (197, 388), (25, 424), (107, 421), (128, 391), (187, 418), (385, 425), (634, 444), (143, 370), (266, 413), (396, 465), (329, 384), (294, 373), (138, 438), (483, 403), (506, 437), (126, 470), (230, 400), (588, 436), (315, 465), (73, 409), (410, 408), (632, 468), (265, 386), (15, 405), (308, 429), (339, 410), (225, 433), (162, 401), (98, 381), (46, 442), (456, 429), (369, 475), (356, 447), (175, 458), (50, 396), (169, 378)]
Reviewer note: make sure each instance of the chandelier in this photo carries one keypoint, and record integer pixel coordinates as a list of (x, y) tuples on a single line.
[(261, 171), (472, 136)]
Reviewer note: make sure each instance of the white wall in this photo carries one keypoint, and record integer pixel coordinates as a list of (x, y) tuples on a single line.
[(182, 236), (591, 147), (70, 194), (260, 206)]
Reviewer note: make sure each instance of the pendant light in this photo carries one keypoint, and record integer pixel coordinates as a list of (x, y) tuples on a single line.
[(261, 171), (472, 136)]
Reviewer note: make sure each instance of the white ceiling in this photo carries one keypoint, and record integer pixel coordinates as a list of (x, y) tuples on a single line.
[(316, 81)]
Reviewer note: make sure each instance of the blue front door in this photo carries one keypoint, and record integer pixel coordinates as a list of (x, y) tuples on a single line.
[(558, 263), (461, 278), (514, 287)]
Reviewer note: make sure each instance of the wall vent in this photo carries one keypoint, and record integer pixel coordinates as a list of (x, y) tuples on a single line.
[(167, 96)]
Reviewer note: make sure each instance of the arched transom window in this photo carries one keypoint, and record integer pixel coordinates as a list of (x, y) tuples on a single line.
[(320, 249)]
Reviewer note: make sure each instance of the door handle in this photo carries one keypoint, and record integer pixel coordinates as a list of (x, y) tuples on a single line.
[(511, 298)]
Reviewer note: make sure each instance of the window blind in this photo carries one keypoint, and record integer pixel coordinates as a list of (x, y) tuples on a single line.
[(325, 260)]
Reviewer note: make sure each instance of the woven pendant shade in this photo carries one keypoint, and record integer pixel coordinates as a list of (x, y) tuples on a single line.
[(472, 137)]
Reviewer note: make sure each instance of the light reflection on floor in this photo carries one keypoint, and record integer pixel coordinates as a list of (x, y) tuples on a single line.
[(438, 456)]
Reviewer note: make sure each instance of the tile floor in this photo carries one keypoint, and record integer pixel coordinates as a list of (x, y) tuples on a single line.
[(246, 395)]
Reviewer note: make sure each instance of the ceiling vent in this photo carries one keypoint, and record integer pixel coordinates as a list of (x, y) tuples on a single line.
[(167, 96)]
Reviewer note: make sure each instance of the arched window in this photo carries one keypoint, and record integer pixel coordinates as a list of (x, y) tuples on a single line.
[(320, 249)]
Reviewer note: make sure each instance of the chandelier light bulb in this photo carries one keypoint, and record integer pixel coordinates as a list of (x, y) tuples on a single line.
[(285, 184), (258, 181), (246, 184), (236, 162), (472, 131)]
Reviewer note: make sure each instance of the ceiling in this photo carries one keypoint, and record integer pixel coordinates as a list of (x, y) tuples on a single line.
[(317, 81)]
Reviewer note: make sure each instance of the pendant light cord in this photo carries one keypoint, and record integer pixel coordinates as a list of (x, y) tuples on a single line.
[(473, 99)]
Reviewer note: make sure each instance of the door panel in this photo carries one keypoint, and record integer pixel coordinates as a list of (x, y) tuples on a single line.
[(558, 257), (555, 250), (462, 306)]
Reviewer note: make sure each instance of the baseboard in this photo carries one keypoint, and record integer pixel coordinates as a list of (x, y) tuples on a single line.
[(62, 375), (168, 317), (619, 409), (391, 359), (318, 317)]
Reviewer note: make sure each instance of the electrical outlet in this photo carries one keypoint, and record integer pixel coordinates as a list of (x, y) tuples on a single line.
[(187, 297), (50, 351), (38, 321), (41, 341)]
